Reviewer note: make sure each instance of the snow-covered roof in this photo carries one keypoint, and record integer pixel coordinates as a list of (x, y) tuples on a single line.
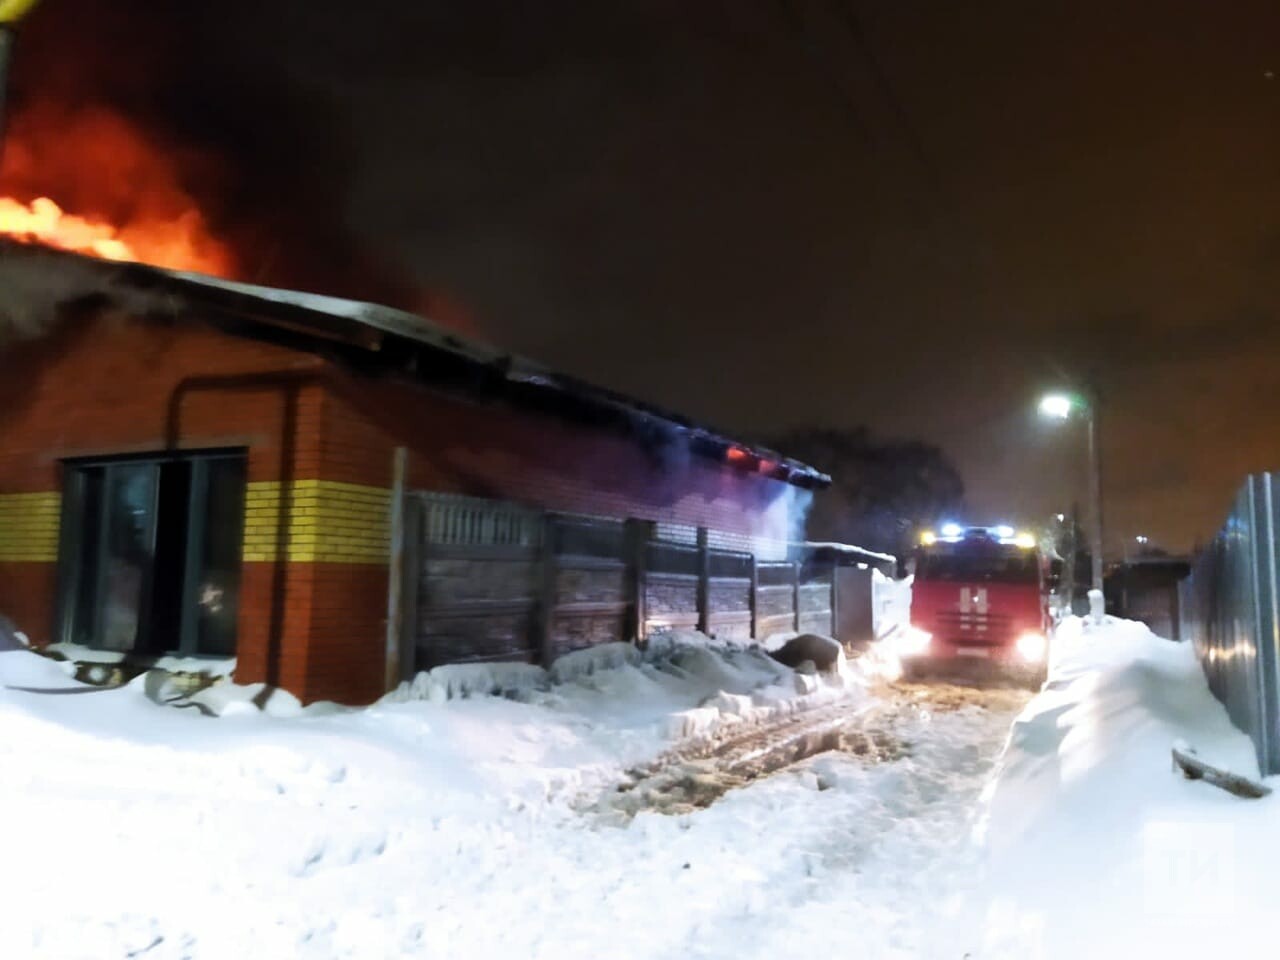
[(399, 339), (387, 319), (848, 549)]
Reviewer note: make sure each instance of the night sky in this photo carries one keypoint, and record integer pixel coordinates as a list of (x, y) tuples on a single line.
[(769, 213)]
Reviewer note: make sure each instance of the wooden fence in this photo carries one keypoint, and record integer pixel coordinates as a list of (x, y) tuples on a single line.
[(488, 580)]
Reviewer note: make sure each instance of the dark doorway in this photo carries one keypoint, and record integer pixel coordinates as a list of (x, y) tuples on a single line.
[(150, 553)]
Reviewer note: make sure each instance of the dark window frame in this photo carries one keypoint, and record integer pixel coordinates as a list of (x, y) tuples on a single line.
[(70, 540)]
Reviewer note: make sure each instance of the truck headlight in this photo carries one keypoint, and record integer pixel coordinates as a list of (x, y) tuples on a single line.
[(1032, 646), (912, 642)]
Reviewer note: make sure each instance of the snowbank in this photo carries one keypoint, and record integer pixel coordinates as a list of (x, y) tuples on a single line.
[(131, 827), (1095, 847), (683, 684), (463, 680), (22, 669)]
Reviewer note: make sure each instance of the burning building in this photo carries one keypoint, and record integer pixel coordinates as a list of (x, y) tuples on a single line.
[(208, 469)]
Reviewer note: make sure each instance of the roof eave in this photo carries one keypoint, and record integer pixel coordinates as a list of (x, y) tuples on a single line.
[(397, 339)]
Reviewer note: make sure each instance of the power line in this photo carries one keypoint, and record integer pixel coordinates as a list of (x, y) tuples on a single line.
[(796, 22), (945, 209), (848, 15)]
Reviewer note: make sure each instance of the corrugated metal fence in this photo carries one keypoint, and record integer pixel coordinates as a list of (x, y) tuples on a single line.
[(1229, 610)]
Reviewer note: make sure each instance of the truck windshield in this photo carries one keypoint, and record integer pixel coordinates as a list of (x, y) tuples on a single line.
[(983, 566)]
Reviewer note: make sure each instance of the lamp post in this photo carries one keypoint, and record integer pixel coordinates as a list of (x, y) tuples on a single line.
[(1061, 406)]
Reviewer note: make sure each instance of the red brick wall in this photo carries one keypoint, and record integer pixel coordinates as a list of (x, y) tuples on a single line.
[(111, 385), (26, 596), (493, 451), (489, 450), (347, 656)]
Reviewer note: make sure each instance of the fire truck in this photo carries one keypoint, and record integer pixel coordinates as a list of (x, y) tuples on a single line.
[(979, 606)]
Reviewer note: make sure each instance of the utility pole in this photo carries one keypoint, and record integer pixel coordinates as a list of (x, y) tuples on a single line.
[(1068, 527), (11, 12), (6, 51), (1061, 406), (1095, 484)]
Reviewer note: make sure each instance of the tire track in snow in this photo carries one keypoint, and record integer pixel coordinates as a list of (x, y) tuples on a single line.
[(890, 859), (694, 775)]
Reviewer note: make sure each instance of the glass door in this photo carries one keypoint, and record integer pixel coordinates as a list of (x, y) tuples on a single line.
[(214, 551), (151, 552), (125, 565)]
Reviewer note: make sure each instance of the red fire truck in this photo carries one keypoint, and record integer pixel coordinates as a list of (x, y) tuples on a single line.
[(979, 606)]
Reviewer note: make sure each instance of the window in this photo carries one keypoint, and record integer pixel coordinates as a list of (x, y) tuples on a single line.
[(150, 554)]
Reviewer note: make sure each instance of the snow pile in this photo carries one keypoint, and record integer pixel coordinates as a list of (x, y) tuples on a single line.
[(230, 699), (891, 603), (130, 827), (686, 685), (22, 670), (584, 663), (1095, 847), (208, 666), (683, 684), (460, 681)]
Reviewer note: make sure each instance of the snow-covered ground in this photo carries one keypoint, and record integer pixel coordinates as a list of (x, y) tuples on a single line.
[(1095, 847), (431, 827), (487, 826)]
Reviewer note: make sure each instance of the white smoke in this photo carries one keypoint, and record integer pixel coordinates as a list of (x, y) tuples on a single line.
[(36, 286), (801, 501)]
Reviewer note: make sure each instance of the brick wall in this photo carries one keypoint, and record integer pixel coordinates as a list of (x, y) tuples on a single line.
[(490, 451), (312, 610), (26, 596), (107, 385)]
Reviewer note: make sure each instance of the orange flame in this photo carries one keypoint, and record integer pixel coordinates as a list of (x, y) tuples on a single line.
[(124, 190), (43, 221)]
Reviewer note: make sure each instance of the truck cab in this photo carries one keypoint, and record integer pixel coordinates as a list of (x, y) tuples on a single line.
[(979, 606)]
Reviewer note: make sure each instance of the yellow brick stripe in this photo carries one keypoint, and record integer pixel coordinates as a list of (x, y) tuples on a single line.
[(29, 527), (328, 522)]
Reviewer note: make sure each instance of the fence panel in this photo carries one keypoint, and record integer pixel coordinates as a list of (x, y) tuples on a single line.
[(477, 581), (671, 585), (1229, 611), (775, 599), (729, 600), (587, 604), (496, 581), (814, 598)]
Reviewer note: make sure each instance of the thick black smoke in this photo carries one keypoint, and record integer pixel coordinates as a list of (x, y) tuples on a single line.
[(262, 152)]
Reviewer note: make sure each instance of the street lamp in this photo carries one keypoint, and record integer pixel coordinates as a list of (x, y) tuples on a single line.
[(1062, 406), (1057, 405)]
